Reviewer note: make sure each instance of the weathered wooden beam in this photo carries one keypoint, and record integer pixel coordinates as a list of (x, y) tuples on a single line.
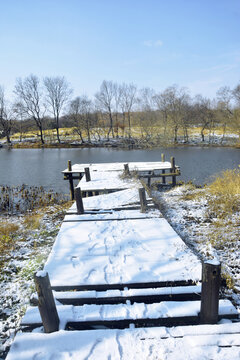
[(149, 178), (46, 303), (163, 171), (126, 170), (87, 174), (163, 175), (105, 287), (74, 177), (79, 202), (143, 201), (173, 169), (101, 190), (123, 324), (211, 278), (98, 211), (100, 299), (71, 180), (147, 299), (110, 219)]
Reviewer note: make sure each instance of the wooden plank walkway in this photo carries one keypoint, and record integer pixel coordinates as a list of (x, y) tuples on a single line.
[(120, 316), (107, 178), (119, 252), (116, 200), (115, 267), (119, 166), (216, 342)]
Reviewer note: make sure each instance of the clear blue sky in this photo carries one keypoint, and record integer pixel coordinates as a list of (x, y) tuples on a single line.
[(153, 43)]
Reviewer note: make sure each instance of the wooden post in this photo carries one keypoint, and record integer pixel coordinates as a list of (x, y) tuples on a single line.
[(126, 169), (149, 179), (163, 171), (79, 202), (173, 169), (70, 180), (143, 200), (211, 278), (87, 174), (46, 303)]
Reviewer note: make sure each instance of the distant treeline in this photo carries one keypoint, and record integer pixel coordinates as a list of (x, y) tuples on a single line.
[(117, 110)]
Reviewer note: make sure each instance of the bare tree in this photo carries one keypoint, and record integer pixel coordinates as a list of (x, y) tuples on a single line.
[(57, 94), (117, 101), (236, 112), (173, 102), (128, 100), (162, 107), (80, 112), (236, 94), (5, 116), (19, 114), (147, 116), (105, 101), (224, 97), (30, 99), (203, 113)]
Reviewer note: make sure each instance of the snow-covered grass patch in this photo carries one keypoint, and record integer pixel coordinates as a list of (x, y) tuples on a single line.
[(208, 221), (25, 242)]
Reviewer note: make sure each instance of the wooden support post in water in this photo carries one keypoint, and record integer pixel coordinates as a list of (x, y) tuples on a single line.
[(79, 202), (173, 169), (143, 200), (46, 303), (211, 278), (87, 174), (70, 180), (126, 169), (149, 179), (163, 171)]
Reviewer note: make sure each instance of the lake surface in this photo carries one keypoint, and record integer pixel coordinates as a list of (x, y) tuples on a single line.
[(42, 167)]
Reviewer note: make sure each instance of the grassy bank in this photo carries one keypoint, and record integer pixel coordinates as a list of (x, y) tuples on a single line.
[(140, 138), (207, 219)]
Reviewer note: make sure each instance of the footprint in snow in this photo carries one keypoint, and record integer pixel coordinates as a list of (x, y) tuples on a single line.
[(75, 261)]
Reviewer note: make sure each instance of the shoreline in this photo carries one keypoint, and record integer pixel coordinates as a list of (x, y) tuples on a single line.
[(116, 144)]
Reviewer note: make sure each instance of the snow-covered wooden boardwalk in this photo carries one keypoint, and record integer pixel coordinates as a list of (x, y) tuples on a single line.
[(118, 247), (115, 267), (116, 251), (104, 177), (216, 342)]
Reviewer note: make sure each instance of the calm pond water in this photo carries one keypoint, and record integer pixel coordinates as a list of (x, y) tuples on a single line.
[(43, 167)]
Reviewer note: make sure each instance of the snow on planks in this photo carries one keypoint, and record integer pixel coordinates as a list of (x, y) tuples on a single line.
[(111, 215), (105, 181), (122, 315), (216, 342), (146, 295), (133, 166), (117, 200), (120, 252)]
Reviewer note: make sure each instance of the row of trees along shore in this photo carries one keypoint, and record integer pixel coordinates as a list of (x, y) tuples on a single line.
[(116, 110)]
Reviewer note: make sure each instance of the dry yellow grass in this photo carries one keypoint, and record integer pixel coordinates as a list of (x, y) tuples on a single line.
[(136, 131), (225, 191), (32, 221), (7, 232)]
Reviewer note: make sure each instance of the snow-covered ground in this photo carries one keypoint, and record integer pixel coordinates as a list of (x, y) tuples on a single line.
[(16, 281), (187, 210)]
